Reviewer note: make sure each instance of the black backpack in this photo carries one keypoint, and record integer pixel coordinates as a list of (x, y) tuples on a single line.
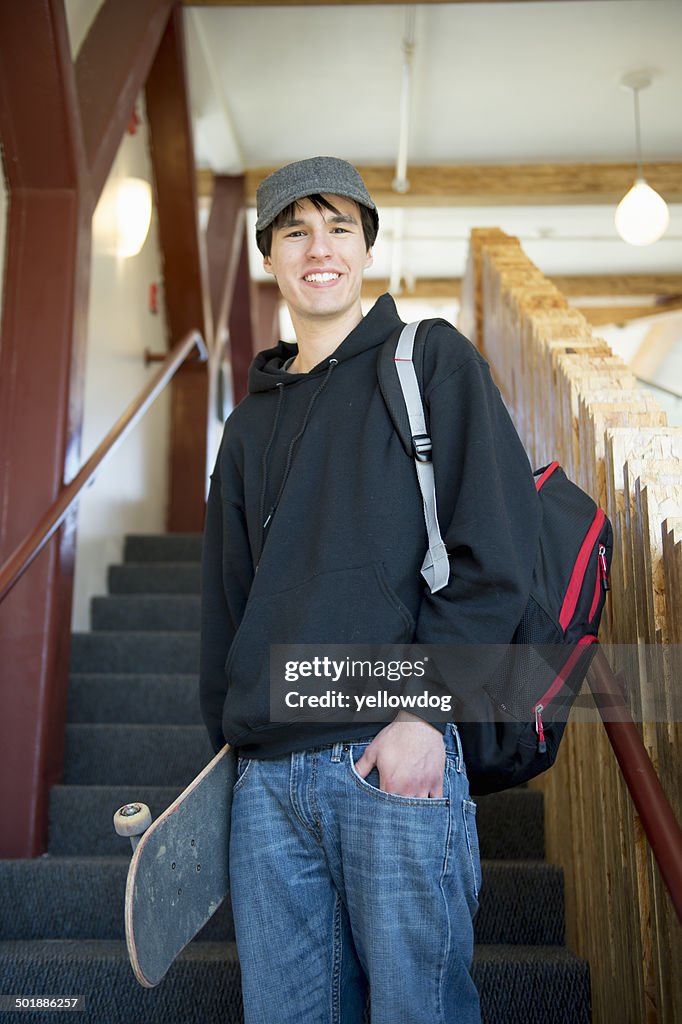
[(514, 732)]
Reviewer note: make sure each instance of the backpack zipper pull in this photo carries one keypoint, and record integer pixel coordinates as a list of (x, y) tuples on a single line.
[(539, 728), (603, 568)]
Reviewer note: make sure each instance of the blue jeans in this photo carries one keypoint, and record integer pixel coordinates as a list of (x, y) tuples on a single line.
[(338, 886)]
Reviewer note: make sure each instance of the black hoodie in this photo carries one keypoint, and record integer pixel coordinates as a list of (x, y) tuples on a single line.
[(315, 531)]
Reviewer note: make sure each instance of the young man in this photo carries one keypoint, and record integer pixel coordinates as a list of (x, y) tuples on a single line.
[(354, 859)]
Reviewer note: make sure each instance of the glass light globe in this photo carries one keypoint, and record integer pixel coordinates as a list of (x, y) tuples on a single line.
[(133, 215), (642, 215), (121, 221)]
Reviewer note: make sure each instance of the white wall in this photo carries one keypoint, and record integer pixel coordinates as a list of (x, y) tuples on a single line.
[(129, 494), (666, 370)]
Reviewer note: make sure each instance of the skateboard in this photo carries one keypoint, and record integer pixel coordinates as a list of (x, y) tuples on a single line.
[(178, 875)]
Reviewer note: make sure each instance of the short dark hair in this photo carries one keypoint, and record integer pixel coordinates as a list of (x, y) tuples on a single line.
[(368, 219)]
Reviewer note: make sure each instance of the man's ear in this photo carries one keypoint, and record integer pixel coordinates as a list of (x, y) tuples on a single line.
[(267, 265), (369, 259)]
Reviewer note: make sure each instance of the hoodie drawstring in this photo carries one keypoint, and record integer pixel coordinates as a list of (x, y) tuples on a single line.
[(292, 447), (266, 450)]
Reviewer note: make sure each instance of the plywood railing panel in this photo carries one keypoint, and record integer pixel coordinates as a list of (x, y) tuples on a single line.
[(571, 399)]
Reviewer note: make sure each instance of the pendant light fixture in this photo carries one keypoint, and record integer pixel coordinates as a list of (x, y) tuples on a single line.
[(642, 214), (121, 221)]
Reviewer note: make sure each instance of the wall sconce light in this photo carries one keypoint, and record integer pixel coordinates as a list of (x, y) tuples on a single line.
[(642, 215), (122, 218)]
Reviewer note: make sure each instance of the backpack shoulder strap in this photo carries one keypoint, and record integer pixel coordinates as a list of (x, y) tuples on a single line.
[(402, 388), (389, 382)]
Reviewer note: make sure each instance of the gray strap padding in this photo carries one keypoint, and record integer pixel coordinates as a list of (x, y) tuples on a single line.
[(436, 566)]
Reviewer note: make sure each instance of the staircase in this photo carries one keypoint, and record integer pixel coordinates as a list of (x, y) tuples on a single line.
[(134, 733)]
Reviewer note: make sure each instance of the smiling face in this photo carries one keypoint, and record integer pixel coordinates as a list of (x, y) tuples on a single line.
[(318, 257)]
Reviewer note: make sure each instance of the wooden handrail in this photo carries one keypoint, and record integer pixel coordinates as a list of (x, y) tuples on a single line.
[(23, 555), (658, 819)]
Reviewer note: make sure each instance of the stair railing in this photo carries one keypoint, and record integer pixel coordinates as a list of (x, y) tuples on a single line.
[(651, 802), (24, 554)]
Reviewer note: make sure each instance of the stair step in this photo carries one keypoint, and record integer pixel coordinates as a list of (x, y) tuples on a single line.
[(154, 578), (532, 985), (83, 898), (135, 652), (154, 612), (519, 985), (513, 824), (80, 820), (165, 547), (63, 897), (202, 987), (77, 898), (170, 699), (521, 902), (143, 755)]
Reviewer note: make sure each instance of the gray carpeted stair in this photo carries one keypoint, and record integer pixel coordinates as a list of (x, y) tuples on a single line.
[(81, 898), (154, 578), (149, 612), (527, 985), (135, 732), (158, 755), (134, 652), (138, 698)]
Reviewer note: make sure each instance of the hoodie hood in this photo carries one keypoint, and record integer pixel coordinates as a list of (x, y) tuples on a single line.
[(267, 370)]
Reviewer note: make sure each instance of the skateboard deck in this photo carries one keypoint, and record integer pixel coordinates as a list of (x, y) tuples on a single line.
[(178, 876)]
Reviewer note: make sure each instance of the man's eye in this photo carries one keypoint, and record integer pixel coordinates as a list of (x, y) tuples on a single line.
[(342, 231), (295, 234)]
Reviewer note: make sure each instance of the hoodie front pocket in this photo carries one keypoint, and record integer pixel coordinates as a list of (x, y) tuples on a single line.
[(341, 606)]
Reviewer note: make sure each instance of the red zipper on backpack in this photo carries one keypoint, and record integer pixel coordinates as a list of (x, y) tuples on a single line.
[(551, 693), (579, 570), (602, 581), (548, 472)]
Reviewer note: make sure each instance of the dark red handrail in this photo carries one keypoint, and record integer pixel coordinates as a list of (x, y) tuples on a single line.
[(23, 555), (658, 819)]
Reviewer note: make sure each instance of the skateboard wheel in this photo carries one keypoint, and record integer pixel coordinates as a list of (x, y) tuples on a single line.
[(132, 819)]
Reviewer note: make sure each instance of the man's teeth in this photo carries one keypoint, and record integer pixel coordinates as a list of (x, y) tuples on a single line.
[(321, 278)]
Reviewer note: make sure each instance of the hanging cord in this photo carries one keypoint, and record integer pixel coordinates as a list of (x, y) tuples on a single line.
[(638, 135), (266, 451), (293, 443)]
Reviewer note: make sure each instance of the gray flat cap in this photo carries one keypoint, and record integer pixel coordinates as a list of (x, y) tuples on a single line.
[(306, 178)]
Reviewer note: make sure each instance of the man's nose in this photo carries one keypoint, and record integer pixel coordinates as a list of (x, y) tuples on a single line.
[(319, 246)]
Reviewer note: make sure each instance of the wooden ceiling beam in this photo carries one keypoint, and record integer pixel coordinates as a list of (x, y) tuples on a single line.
[(618, 284), (598, 316), (424, 288), (330, 3), (501, 184), (572, 286)]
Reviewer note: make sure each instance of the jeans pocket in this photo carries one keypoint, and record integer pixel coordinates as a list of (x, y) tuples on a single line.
[(372, 787), (471, 833)]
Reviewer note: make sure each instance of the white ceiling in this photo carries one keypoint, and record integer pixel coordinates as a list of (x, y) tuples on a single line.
[(493, 83)]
